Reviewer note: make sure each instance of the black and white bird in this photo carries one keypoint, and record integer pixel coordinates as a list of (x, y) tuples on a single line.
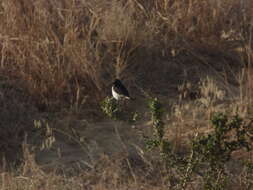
[(119, 91)]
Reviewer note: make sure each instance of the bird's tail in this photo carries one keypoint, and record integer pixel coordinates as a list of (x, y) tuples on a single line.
[(129, 98)]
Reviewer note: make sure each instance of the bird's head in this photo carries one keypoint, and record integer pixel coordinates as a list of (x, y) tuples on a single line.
[(116, 82)]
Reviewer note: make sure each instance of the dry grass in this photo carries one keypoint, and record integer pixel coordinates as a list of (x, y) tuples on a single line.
[(61, 51), (58, 58)]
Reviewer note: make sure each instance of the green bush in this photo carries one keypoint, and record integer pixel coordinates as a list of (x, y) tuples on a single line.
[(208, 154), (110, 107)]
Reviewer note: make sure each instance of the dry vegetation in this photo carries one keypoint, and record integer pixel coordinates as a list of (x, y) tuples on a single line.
[(59, 57)]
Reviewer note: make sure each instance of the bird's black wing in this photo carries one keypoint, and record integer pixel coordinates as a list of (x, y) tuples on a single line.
[(121, 89)]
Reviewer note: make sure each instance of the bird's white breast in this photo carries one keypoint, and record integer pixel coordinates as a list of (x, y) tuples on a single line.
[(115, 94)]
